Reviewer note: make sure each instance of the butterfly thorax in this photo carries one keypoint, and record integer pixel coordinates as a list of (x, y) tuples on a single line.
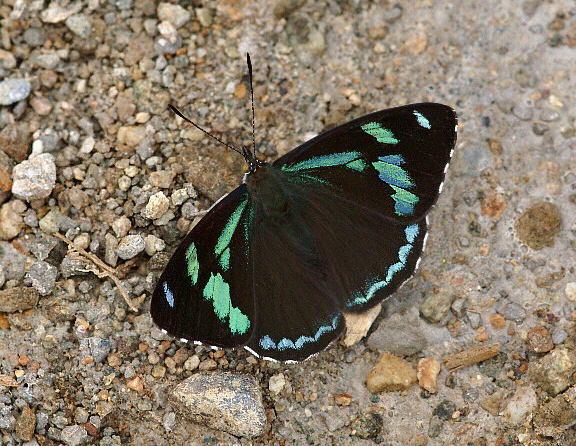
[(265, 187)]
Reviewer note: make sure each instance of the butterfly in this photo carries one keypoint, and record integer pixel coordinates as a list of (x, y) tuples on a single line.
[(333, 226)]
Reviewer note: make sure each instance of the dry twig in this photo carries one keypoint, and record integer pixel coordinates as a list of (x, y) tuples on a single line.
[(98, 267), (471, 356)]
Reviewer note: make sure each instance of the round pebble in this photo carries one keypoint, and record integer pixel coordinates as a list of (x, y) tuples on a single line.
[(34, 178), (175, 14), (11, 222), (157, 206), (80, 25), (13, 90), (277, 383), (130, 246)]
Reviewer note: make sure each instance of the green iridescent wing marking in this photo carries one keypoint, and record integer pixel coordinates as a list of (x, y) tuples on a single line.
[(222, 249), (192, 263), (218, 292), (205, 292), (381, 134), (390, 171), (351, 159)]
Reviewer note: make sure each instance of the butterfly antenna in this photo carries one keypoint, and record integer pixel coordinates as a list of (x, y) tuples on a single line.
[(252, 102), (175, 110)]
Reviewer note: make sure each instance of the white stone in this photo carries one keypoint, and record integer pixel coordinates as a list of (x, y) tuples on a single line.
[(523, 402)]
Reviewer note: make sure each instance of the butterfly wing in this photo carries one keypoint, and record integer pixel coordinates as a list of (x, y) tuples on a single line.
[(392, 161), (362, 191), (296, 314), (367, 255), (205, 293)]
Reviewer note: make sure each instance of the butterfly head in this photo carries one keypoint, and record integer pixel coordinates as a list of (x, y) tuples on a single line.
[(253, 162)]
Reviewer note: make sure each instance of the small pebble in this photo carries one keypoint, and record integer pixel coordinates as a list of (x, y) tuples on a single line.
[(179, 196), (25, 424), (539, 340), (521, 404), (34, 178), (121, 226), (368, 427), (554, 372), (162, 178), (570, 291), (110, 249), (549, 115), (474, 318), (131, 135), (13, 90), (135, 384), (154, 244), (48, 61), (192, 363), (130, 246), (427, 371), (175, 14), (74, 435), (493, 205), (99, 348), (497, 321), (277, 383), (56, 13), (7, 60), (400, 335), (157, 206), (169, 421), (514, 312), (204, 16), (391, 374), (559, 336), (207, 365), (226, 401), (41, 105), (11, 222), (42, 277), (522, 112), (79, 24), (436, 306), (539, 225)]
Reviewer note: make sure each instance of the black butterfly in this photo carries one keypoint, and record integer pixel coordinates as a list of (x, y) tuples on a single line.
[(336, 225)]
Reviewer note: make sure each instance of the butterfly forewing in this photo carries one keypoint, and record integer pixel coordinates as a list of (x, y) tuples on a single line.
[(205, 293), (392, 161)]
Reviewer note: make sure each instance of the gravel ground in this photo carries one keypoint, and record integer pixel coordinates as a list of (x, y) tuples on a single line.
[(89, 150)]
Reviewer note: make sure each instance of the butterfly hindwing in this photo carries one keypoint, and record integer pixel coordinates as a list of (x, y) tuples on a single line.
[(205, 293), (367, 256), (297, 315), (392, 161)]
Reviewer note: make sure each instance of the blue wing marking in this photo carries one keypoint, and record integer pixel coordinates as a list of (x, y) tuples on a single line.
[(411, 232), (267, 343)]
